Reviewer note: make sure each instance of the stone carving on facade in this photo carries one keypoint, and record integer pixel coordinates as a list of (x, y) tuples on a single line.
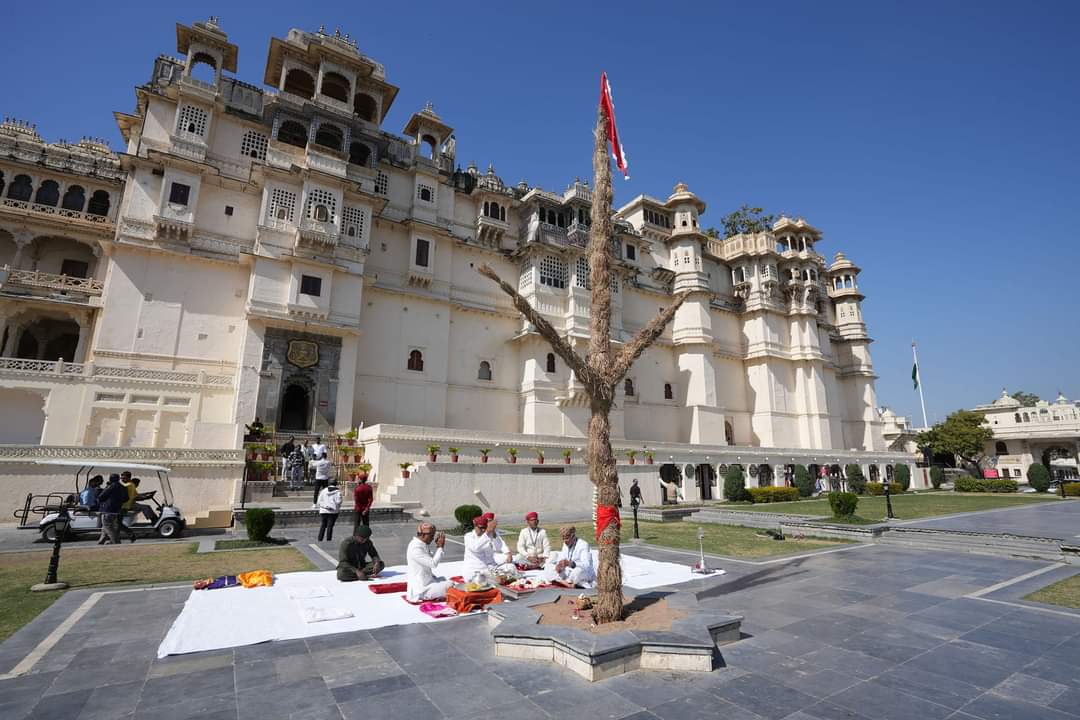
[(303, 353)]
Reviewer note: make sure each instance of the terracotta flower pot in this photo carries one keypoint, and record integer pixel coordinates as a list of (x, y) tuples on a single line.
[(453, 458), (405, 474), (358, 458), (539, 461), (631, 461), (483, 458), (566, 461), (648, 461), (432, 457), (512, 459)]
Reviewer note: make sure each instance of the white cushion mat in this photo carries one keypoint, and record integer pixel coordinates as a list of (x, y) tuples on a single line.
[(236, 616)]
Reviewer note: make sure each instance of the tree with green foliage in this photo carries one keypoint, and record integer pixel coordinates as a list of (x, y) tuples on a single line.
[(963, 435), (856, 481), (735, 485), (902, 476), (1025, 398), (803, 481), (937, 476), (746, 220), (1038, 477)]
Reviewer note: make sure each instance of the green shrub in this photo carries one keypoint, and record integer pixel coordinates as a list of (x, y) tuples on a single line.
[(803, 481), (465, 514), (991, 485), (773, 494), (937, 476), (1072, 489), (855, 479), (1038, 477), (843, 504), (876, 488), (735, 485), (902, 476), (259, 522)]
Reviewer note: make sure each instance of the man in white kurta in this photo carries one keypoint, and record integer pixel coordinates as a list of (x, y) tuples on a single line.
[(421, 581), (572, 564), (484, 548), (533, 547)]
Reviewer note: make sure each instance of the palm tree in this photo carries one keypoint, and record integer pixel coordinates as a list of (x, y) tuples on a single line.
[(600, 370)]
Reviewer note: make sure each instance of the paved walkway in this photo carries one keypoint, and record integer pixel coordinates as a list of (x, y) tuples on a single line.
[(1058, 519), (869, 632)]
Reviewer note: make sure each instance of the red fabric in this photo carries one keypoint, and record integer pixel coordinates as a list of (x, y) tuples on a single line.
[(531, 516), (605, 515), (489, 516), (362, 497), (480, 521), (390, 587), (613, 134)]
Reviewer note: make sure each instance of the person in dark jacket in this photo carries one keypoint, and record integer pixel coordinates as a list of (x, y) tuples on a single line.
[(110, 503)]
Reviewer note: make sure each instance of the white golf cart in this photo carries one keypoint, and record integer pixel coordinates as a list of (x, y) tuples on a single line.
[(170, 521)]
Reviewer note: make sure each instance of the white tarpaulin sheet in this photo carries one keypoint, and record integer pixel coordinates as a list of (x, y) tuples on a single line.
[(235, 616)]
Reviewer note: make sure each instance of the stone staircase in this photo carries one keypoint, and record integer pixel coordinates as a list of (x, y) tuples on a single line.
[(1019, 546), (211, 519), (294, 510)]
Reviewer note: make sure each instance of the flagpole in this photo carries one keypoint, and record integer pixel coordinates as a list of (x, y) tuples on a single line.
[(918, 372)]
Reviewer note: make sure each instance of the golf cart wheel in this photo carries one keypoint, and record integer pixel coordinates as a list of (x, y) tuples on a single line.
[(169, 529), (49, 534)]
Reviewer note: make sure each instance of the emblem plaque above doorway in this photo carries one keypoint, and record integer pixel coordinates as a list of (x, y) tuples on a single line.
[(303, 353)]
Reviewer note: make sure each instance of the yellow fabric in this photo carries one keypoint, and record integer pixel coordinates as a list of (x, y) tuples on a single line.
[(256, 578), (132, 491)]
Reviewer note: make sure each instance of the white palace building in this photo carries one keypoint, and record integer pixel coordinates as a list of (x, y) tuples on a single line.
[(270, 250)]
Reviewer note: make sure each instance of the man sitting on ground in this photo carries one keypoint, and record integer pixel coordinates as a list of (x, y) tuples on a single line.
[(533, 547), (357, 557), (422, 583), (574, 563), (484, 548)]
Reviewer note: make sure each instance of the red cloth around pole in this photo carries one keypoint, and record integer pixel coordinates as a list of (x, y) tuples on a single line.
[(605, 515)]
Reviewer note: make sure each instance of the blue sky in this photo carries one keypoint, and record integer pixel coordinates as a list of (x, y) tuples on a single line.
[(936, 144)]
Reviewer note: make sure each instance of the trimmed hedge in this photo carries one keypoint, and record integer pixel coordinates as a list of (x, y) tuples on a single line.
[(856, 481), (990, 485), (773, 494), (937, 477), (1038, 477), (843, 504), (803, 481), (465, 514), (259, 522), (735, 485), (902, 476), (876, 488), (1072, 489)]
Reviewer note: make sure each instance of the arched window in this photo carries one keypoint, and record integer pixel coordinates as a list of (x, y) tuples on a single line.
[(425, 194), (416, 361), (99, 203), (628, 387), (550, 362), (299, 82), (329, 136), (322, 214), (729, 433), (485, 371), (365, 107), (359, 154), (1016, 417), (668, 393), (335, 86), (203, 68), (21, 188), (502, 213), (1027, 418), (1001, 448), (1, 182), (48, 193), (292, 133), (429, 145)]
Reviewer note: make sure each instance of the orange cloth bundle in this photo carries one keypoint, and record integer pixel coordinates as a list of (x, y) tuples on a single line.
[(256, 578), (465, 602)]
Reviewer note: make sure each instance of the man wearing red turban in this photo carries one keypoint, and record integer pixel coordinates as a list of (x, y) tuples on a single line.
[(533, 546), (484, 548)]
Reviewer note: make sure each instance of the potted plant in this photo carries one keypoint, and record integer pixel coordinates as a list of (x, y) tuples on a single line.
[(405, 469), (648, 457), (358, 455), (262, 470), (453, 454), (483, 454), (566, 456), (511, 455), (433, 452), (266, 450), (362, 471), (539, 456), (631, 454), (350, 436)]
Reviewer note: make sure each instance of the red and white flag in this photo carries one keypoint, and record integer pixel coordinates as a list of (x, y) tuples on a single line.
[(613, 132)]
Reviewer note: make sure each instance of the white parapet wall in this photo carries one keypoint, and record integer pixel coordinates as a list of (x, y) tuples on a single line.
[(202, 480)]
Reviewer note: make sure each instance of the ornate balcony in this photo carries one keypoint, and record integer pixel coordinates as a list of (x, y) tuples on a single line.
[(188, 145), (316, 235), (35, 210), (41, 281), (282, 156), (327, 161), (578, 234)]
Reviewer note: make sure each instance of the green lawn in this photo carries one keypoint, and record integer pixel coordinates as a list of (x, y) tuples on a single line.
[(727, 540), (112, 567), (908, 506), (1064, 592)]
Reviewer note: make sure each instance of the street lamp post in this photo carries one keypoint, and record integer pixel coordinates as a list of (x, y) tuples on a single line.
[(60, 526), (888, 501)]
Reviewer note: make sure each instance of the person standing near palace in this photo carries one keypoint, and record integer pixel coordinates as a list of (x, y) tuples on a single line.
[(421, 581), (132, 490), (110, 501), (363, 498), (323, 470), (296, 463), (318, 448), (286, 450), (533, 546), (329, 503)]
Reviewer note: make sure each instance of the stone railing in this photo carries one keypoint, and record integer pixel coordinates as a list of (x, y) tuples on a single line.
[(335, 105), (313, 232), (229, 166), (59, 212), (282, 156), (323, 161), (172, 457), (21, 366), (49, 281), (188, 145)]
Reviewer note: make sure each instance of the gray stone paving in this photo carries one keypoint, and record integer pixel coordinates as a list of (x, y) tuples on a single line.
[(1058, 519), (871, 633)]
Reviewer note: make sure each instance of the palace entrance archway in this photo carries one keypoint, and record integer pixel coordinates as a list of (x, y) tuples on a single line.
[(295, 409)]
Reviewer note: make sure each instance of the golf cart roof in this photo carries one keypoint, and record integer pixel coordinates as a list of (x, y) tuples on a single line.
[(103, 464)]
